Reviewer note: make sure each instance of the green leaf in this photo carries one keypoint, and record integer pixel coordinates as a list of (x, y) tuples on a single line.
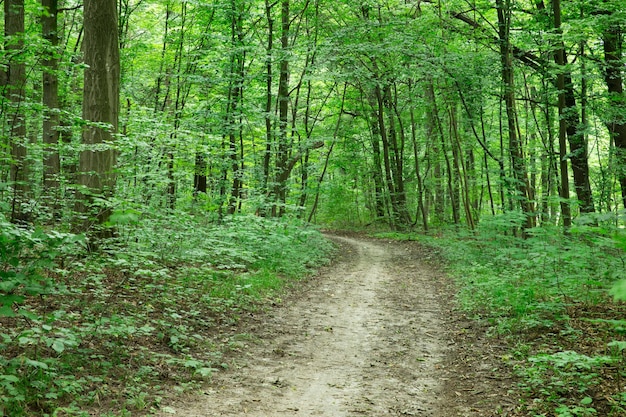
[(7, 311), (36, 364), (619, 344), (29, 315), (9, 378), (586, 401), (205, 372), (619, 290), (58, 346), (8, 300), (8, 286)]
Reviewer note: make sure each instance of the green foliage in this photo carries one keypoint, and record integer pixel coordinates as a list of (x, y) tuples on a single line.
[(239, 243), (561, 376), (142, 313), (537, 293), (25, 255), (619, 288), (524, 283)]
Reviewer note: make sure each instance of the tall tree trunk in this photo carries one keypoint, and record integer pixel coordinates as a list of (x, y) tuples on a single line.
[(182, 91), (51, 159), (612, 40), (382, 129), (328, 154), (269, 81), (280, 186), (308, 128), (418, 174), (100, 106), (560, 60), (461, 168), (433, 132), (393, 115), (377, 168), (437, 125), (15, 92), (234, 122), (515, 146), (575, 133)]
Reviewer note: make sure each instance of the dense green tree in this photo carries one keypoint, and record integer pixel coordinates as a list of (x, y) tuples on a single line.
[(241, 107)]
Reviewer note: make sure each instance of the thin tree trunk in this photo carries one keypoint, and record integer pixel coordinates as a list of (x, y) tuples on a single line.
[(398, 154), (382, 128), (565, 206), (280, 187), (461, 168), (379, 187), (515, 146), (328, 154), (234, 120), (179, 106), (418, 174), (15, 93), (269, 134), (51, 159), (438, 125)]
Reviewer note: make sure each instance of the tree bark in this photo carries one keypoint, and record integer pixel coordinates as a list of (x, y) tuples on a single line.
[(615, 85), (269, 133), (51, 159), (397, 156), (382, 130), (15, 93), (377, 173), (280, 186), (100, 108), (433, 132), (234, 121), (560, 61), (574, 130), (515, 146)]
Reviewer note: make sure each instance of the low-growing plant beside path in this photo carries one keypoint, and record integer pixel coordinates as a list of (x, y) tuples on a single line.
[(121, 329), (549, 297)]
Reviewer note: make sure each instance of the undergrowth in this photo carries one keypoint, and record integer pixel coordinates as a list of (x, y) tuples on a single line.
[(150, 314), (549, 296)]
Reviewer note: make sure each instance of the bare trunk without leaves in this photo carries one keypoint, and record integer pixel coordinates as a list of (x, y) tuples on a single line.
[(100, 108), (15, 91), (515, 145), (51, 159), (615, 85)]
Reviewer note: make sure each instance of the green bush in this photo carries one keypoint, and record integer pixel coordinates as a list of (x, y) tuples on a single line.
[(105, 329), (25, 256)]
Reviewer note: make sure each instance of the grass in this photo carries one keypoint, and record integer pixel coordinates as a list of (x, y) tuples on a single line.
[(149, 316), (548, 297)]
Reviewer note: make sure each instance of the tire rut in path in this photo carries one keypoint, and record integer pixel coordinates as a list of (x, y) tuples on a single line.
[(367, 338)]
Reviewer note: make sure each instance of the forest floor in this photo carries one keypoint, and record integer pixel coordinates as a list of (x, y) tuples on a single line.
[(377, 333)]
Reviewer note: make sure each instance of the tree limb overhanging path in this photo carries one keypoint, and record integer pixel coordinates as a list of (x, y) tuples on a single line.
[(373, 335)]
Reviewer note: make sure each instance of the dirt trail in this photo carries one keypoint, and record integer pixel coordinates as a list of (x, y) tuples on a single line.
[(368, 337)]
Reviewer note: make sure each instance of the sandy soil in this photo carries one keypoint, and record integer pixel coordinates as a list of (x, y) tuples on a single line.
[(376, 334)]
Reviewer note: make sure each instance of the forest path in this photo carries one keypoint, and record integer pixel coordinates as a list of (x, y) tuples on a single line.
[(370, 336)]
